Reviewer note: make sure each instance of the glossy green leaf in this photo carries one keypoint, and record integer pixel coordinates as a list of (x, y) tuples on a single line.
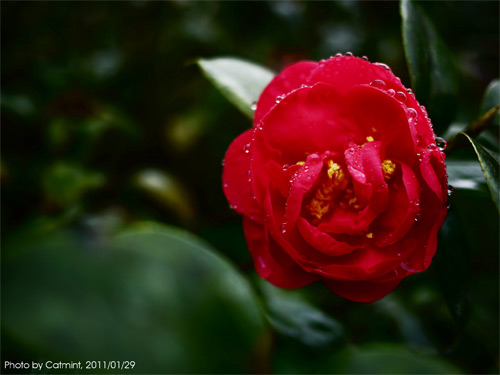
[(432, 71), (465, 174), (490, 166), (241, 82), (153, 294), (291, 315)]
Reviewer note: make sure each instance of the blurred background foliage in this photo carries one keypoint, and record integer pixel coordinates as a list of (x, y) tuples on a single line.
[(113, 141)]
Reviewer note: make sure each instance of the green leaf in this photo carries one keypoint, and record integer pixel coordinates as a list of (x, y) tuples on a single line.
[(465, 174), (386, 359), (490, 166), (491, 99), (432, 70), (291, 315), (153, 294), (241, 82)]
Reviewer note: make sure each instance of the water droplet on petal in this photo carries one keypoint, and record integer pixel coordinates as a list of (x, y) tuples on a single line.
[(253, 107), (432, 147), (391, 92), (349, 54), (411, 112), (364, 58), (279, 98), (451, 190), (246, 148), (283, 228), (400, 95), (382, 65), (338, 54), (378, 83), (440, 143)]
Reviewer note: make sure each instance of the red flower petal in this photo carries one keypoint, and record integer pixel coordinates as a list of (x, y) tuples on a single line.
[(345, 72), (361, 291), (289, 79), (382, 117), (322, 241), (402, 209), (235, 176), (305, 121), (302, 183), (271, 262)]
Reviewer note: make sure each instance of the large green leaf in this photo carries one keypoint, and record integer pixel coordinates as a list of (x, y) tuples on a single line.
[(154, 295), (241, 82), (293, 316), (490, 166), (432, 70)]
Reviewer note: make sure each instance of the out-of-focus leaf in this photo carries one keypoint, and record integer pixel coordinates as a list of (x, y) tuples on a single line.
[(184, 131), (154, 295), (66, 183), (386, 359), (410, 327), (167, 190), (490, 166), (241, 82), (491, 99), (19, 104), (477, 126), (291, 315), (452, 268), (465, 174), (431, 67)]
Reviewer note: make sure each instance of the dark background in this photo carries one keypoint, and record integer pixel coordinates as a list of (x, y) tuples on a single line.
[(107, 122)]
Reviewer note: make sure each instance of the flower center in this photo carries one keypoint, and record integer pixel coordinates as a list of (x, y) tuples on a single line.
[(337, 190)]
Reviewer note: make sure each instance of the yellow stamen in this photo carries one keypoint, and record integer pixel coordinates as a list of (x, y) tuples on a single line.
[(369, 235), (336, 174), (369, 138), (388, 168), (301, 162)]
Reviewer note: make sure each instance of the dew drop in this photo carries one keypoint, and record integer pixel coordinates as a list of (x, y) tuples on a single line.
[(349, 53), (400, 95), (285, 167), (440, 143), (279, 98), (451, 190), (391, 92), (382, 65), (253, 107), (399, 254), (338, 54), (364, 58), (432, 147), (246, 148), (378, 83), (411, 112), (424, 110), (283, 228)]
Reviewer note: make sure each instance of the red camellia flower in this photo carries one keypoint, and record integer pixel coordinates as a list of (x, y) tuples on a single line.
[(340, 179)]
